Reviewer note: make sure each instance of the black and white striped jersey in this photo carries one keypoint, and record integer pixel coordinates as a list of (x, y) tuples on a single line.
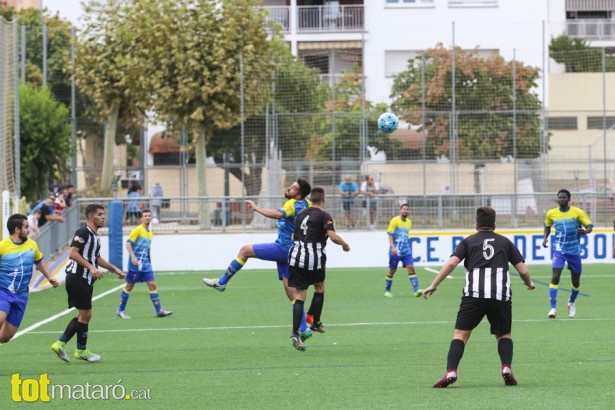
[(310, 238), (88, 243), (486, 257)]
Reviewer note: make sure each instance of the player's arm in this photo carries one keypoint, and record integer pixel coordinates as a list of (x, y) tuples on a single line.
[(102, 262), (525, 275), (269, 213), (446, 269), (335, 238), (75, 254), (392, 244), (133, 257), (42, 267), (545, 240)]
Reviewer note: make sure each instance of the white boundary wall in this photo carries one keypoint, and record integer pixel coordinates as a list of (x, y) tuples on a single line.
[(368, 249)]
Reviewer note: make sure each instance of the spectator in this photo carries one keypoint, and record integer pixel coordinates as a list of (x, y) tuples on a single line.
[(60, 203), (156, 193), (48, 212), (33, 219), (55, 187), (349, 191), (69, 190), (134, 207), (370, 189)]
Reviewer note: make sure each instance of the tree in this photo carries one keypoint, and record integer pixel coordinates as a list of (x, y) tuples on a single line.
[(194, 52), (108, 72), (45, 139), (483, 112), (578, 56)]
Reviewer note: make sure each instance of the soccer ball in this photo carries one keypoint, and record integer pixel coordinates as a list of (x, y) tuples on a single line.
[(388, 122)]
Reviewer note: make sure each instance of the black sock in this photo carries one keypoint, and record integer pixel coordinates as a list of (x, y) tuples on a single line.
[(505, 349), (82, 335), (297, 313), (318, 300), (70, 330), (455, 353)]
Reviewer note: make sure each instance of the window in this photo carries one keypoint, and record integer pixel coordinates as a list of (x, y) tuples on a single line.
[(562, 123), (595, 123), (428, 3)]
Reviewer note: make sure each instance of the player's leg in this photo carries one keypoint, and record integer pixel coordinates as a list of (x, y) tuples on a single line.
[(574, 263), (388, 279), (12, 310), (154, 297), (131, 279), (414, 281), (557, 264), (499, 315), (295, 283), (318, 279), (317, 298), (471, 312), (246, 252)]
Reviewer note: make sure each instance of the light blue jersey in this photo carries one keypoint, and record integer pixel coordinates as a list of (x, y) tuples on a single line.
[(141, 241), (400, 231), (17, 263), (286, 225), (566, 239)]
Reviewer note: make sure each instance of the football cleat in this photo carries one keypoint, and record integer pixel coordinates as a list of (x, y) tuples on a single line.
[(214, 283), (297, 342), (572, 310), (59, 349), (86, 355), (552, 313), (449, 378)]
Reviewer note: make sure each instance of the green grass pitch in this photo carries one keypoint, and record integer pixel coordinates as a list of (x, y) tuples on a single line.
[(231, 350)]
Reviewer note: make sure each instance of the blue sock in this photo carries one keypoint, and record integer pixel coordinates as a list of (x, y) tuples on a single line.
[(553, 295), (414, 281), (123, 300), (153, 295), (303, 326), (573, 294), (388, 282), (232, 269)]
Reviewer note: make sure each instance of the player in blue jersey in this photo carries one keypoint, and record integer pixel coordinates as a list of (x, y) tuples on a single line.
[(570, 223), (140, 269), (400, 250), (278, 251), (18, 255)]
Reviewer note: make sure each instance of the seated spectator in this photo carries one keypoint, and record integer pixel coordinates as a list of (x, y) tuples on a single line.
[(48, 212)]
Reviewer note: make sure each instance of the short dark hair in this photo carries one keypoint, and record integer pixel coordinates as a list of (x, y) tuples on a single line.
[(317, 195), (92, 208), (485, 217), (304, 187), (146, 210), (564, 191), (404, 204), (15, 221)]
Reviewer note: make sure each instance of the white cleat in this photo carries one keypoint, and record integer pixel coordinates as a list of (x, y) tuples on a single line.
[(572, 310), (552, 314)]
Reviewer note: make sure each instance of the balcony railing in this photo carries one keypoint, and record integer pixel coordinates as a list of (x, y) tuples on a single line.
[(591, 29), (319, 18)]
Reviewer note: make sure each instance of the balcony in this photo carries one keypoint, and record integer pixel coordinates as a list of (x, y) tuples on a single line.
[(591, 29), (328, 18)]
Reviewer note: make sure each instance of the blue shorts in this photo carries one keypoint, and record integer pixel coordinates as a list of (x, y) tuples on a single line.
[(13, 305), (273, 252), (135, 276), (574, 262), (405, 260)]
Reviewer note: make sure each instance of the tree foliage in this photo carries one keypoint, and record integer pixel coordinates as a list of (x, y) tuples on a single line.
[(45, 139), (578, 56), (483, 105)]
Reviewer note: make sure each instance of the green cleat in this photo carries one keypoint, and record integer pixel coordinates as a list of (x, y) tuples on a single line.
[(305, 335), (418, 293), (59, 349), (86, 355), (388, 294)]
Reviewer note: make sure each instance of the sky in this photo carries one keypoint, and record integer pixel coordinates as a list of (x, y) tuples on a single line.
[(69, 10)]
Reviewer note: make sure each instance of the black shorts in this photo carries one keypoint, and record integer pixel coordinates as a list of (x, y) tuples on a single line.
[(347, 205), (473, 310), (301, 279), (79, 292)]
